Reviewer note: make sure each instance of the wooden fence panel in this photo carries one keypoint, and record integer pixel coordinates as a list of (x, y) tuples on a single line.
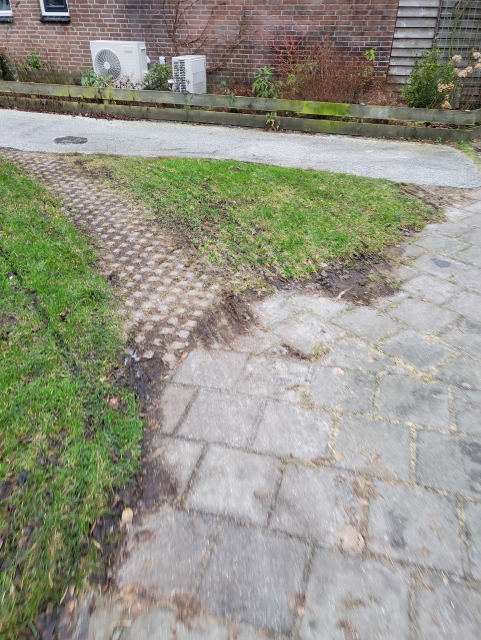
[(242, 119), (242, 103)]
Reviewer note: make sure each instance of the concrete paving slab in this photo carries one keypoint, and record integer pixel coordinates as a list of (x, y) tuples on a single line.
[(367, 324), (221, 417), (235, 484), (212, 369), (463, 371), (350, 598), (349, 353), (434, 289), (469, 278), (272, 310), (274, 378), (352, 390), (416, 349), (306, 331), (470, 256), (423, 316), (374, 447), (445, 246), (173, 403), (253, 576), (287, 430), (467, 411), (467, 304), (472, 235), (465, 335), (320, 305), (316, 503), (416, 526), (473, 534), (156, 551), (451, 229), (439, 266), (449, 463), (171, 463), (448, 611), (413, 401)]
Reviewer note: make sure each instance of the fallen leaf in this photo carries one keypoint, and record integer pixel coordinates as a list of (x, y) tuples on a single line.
[(339, 371), (136, 610), (127, 516), (337, 456), (114, 456), (97, 544), (157, 452), (337, 298), (103, 379), (350, 539), (321, 460), (426, 299), (114, 403), (466, 385), (363, 502)]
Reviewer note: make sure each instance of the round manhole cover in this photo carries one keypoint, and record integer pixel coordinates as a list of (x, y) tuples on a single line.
[(70, 140)]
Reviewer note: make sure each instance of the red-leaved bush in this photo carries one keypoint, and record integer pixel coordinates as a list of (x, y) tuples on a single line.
[(321, 72)]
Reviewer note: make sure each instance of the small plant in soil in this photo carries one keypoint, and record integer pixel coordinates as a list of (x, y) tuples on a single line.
[(91, 79), (264, 85), (431, 83), (157, 77)]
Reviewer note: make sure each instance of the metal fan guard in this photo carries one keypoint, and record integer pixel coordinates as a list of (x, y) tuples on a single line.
[(106, 55)]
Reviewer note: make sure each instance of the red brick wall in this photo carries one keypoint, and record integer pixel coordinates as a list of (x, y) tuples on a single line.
[(353, 24)]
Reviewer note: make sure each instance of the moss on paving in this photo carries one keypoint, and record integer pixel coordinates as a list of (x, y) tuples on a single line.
[(59, 345), (252, 217)]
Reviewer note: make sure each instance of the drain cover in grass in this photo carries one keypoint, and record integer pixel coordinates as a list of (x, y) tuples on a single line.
[(70, 140)]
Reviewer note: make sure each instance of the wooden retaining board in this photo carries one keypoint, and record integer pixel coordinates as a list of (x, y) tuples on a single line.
[(372, 112), (244, 120)]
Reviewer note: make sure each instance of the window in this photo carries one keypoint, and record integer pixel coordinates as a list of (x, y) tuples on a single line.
[(5, 11), (54, 11)]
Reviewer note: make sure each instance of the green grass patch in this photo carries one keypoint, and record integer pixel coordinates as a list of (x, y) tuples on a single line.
[(59, 345), (253, 217)]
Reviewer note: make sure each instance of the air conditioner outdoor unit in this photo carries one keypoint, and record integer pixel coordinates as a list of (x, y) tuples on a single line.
[(120, 59), (189, 74)]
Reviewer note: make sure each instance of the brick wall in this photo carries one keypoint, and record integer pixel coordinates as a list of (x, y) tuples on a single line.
[(211, 24)]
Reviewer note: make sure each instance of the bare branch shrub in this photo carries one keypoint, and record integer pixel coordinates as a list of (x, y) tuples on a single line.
[(322, 72), (204, 40)]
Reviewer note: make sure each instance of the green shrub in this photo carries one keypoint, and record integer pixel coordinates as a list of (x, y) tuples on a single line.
[(33, 61), (91, 79), (431, 83), (157, 77), (264, 85)]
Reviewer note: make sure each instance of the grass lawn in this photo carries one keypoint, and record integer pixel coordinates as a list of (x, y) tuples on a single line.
[(252, 217), (59, 345)]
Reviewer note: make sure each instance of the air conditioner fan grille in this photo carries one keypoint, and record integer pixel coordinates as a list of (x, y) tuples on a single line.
[(107, 63)]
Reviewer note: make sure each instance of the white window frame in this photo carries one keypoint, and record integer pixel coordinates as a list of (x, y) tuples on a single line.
[(54, 14), (6, 13)]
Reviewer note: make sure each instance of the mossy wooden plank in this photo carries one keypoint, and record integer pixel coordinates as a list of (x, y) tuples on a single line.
[(246, 120), (254, 104)]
